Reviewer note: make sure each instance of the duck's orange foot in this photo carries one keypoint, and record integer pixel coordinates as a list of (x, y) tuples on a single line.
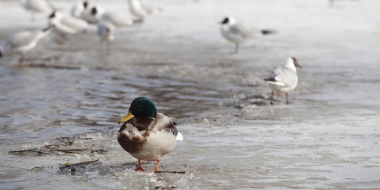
[(156, 168), (139, 169)]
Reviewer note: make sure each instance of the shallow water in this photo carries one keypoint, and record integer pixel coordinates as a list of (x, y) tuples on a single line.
[(43, 102), (326, 138)]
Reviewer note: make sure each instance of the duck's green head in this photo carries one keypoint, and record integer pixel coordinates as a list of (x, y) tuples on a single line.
[(140, 107)]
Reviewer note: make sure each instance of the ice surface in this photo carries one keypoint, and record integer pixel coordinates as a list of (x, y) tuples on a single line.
[(327, 138), (309, 154)]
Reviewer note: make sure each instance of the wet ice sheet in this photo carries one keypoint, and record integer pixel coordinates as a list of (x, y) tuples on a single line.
[(219, 153), (308, 154)]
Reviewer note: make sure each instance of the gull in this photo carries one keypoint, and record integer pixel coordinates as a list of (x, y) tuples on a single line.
[(79, 9), (100, 15), (284, 79), (66, 24), (106, 33), (141, 10), (36, 6), (22, 42), (238, 33), (150, 9)]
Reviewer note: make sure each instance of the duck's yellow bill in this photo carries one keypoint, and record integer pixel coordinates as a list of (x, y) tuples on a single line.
[(127, 117)]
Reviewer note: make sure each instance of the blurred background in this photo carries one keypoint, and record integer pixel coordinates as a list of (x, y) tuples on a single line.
[(326, 138)]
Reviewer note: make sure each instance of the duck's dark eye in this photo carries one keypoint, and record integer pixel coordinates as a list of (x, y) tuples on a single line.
[(138, 105)]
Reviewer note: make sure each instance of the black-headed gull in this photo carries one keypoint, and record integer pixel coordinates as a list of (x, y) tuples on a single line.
[(238, 33), (79, 9), (149, 8), (106, 33), (36, 6), (284, 79), (22, 42), (117, 20), (66, 24), (140, 10)]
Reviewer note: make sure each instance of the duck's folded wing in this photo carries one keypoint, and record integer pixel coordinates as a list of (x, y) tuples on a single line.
[(164, 122), (141, 124)]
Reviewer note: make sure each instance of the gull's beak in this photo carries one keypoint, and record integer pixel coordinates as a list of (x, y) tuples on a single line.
[(299, 66), (127, 117)]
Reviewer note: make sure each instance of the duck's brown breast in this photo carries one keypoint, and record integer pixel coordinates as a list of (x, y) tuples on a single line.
[(127, 138), (132, 144)]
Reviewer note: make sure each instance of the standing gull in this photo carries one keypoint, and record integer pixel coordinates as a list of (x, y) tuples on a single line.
[(100, 15), (149, 8), (146, 134), (79, 9), (284, 79), (36, 6), (238, 33), (140, 10), (66, 24), (106, 33), (22, 42)]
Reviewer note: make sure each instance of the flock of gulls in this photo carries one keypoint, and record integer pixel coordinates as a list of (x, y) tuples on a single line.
[(145, 134), (82, 14)]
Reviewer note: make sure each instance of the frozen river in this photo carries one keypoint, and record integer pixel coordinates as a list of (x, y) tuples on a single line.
[(327, 138)]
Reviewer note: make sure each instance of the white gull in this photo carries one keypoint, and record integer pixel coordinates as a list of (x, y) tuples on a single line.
[(238, 33), (284, 78), (23, 41)]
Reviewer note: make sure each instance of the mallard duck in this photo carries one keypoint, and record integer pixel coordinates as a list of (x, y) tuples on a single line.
[(146, 134), (284, 79)]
